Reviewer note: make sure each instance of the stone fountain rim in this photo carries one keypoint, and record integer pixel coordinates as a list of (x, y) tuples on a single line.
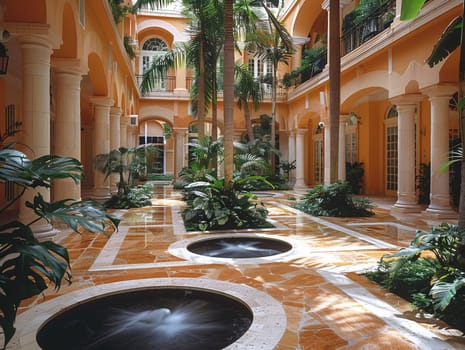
[(180, 249), (267, 328)]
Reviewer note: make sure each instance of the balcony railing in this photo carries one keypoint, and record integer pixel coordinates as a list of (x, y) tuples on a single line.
[(168, 84), (300, 76), (375, 22)]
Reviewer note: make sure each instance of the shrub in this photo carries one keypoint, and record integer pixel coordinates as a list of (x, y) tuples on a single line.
[(334, 200), (211, 206), (434, 285), (136, 197)]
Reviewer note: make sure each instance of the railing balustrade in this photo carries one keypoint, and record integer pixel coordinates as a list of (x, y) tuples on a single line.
[(374, 23)]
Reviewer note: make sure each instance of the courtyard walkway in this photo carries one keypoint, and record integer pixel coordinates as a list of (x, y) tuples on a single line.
[(325, 301)]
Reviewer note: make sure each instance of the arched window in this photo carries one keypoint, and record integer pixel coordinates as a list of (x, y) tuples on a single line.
[(152, 47), (391, 133), (318, 155)]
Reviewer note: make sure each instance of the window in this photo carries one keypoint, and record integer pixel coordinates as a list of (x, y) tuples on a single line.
[(152, 48), (391, 150), (351, 139), (318, 156), (261, 68)]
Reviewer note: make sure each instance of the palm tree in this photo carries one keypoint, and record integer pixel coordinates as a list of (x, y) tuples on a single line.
[(247, 89), (200, 53), (228, 93), (452, 38), (274, 44)]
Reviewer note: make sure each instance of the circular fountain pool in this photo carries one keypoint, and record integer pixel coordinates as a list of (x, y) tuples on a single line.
[(166, 318), (239, 247), (154, 313)]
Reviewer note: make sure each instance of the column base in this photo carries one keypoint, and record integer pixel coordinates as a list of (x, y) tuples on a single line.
[(180, 91), (406, 208), (100, 195), (300, 184), (439, 213), (44, 232)]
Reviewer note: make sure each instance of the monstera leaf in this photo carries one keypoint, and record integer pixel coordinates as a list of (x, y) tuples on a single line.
[(27, 268)]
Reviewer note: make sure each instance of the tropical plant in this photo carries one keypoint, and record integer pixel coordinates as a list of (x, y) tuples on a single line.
[(28, 266), (444, 275), (247, 89), (250, 158), (424, 183), (335, 199), (126, 163), (120, 10), (354, 175), (313, 61), (212, 206), (287, 167), (272, 43), (128, 47)]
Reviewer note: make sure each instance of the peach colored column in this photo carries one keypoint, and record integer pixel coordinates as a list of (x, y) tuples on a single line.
[(133, 136), (124, 122), (101, 140), (300, 158), (291, 154), (115, 140), (180, 135), (406, 194), (36, 51), (439, 97), (67, 124), (299, 43), (180, 81), (343, 119)]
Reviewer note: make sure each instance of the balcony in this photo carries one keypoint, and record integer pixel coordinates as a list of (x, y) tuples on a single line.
[(356, 31), (314, 65), (165, 85)]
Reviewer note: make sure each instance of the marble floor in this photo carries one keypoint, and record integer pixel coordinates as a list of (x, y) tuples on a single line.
[(319, 299)]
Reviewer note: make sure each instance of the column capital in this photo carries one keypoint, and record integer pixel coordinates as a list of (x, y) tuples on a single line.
[(180, 131), (408, 99), (300, 131), (442, 90), (115, 111), (300, 40), (344, 118), (68, 66), (34, 34), (342, 4), (102, 101)]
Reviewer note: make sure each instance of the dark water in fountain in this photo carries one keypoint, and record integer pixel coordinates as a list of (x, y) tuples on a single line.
[(155, 319), (239, 247)]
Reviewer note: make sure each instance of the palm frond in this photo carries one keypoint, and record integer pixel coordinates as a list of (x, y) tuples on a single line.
[(410, 9), (450, 39)]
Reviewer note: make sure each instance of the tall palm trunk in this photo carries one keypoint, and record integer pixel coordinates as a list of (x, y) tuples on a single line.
[(273, 115), (228, 92), (334, 87), (461, 218), (201, 92), (248, 121)]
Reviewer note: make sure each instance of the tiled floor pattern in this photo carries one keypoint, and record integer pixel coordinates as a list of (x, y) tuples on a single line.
[(328, 304)]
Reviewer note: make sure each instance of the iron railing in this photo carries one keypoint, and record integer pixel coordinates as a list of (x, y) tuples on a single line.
[(375, 22)]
